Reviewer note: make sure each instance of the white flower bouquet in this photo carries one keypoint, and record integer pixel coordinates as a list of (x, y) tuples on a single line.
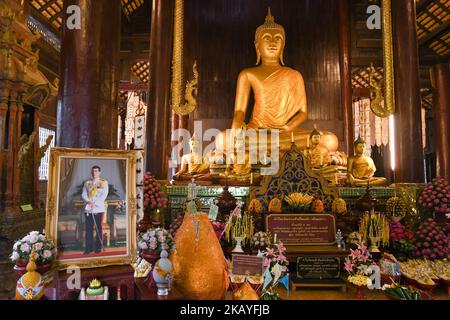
[(260, 240), (44, 249), (156, 240)]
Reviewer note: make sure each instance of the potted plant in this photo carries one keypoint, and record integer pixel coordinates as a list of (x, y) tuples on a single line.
[(152, 242), (44, 248), (358, 266)]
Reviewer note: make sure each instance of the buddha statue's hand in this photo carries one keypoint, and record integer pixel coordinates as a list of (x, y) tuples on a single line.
[(286, 129)]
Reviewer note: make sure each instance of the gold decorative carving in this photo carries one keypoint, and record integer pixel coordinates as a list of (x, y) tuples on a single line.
[(179, 105), (294, 176), (388, 109)]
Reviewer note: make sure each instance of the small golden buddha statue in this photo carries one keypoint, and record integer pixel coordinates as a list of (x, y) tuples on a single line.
[(323, 161), (319, 156), (361, 168), (193, 165), (241, 166), (279, 93)]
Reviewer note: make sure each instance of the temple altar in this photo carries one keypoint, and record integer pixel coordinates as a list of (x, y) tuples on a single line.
[(277, 145)]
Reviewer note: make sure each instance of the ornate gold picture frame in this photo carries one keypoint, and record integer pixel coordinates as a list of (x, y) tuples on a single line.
[(74, 198)]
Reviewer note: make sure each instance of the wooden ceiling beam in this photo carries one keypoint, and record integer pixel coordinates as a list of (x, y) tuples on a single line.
[(423, 5), (443, 28)]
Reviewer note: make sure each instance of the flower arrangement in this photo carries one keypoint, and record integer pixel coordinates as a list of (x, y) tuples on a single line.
[(154, 196), (359, 261), (276, 270), (255, 206), (298, 201), (399, 232), (359, 280), (276, 256), (401, 240), (275, 206), (436, 196), (156, 240), (260, 240), (339, 206), (44, 248), (430, 241)]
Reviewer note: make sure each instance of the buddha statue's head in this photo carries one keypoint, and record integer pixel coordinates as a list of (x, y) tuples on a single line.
[(359, 145), (270, 39), (315, 136), (195, 143)]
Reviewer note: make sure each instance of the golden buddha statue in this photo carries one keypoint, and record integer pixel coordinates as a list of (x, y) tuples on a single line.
[(279, 93), (361, 168), (239, 167), (193, 165), (323, 161), (319, 156)]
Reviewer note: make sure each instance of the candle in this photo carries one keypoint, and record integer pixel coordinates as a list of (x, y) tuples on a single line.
[(307, 142), (292, 137), (251, 178), (275, 239), (321, 159)]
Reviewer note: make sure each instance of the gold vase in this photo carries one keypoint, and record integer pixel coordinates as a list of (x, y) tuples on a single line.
[(200, 271), (373, 244)]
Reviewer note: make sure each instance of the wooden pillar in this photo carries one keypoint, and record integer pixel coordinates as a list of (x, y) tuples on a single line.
[(89, 64), (4, 94), (441, 103), (409, 161), (12, 191), (158, 119), (345, 67)]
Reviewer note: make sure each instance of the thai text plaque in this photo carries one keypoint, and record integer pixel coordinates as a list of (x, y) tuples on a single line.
[(247, 265), (302, 229), (316, 267)]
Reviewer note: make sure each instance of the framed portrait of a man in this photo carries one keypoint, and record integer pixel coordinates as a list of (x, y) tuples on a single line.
[(91, 206)]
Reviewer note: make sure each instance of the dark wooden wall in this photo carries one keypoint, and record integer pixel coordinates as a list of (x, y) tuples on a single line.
[(219, 34)]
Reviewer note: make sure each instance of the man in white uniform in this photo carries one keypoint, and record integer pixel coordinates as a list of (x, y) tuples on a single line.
[(94, 195)]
